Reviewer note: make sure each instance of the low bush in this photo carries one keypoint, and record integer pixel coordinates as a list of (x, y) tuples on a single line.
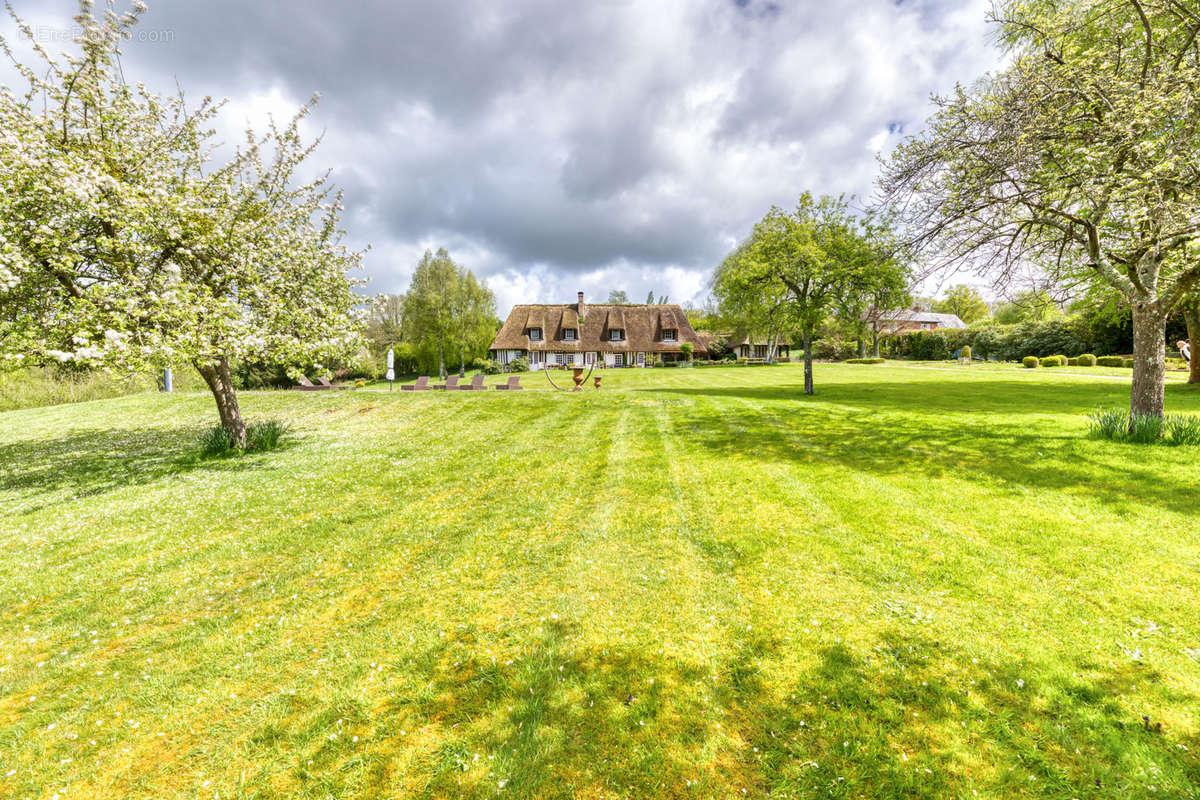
[(865, 360), (830, 349), (1086, 360), (260, 437), (1050, 361), (1030, 362), (1072, 362), (1120, 425), (1127, 363), (1182, 429), (1110, 361), (965, 352), (518, 365)]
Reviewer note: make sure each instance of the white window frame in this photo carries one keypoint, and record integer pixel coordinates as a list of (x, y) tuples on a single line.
[(535, 334), (569, 334), (670, 335), (616, 335)]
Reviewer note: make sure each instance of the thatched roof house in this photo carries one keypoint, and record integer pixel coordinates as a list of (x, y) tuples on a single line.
[(612, 335)]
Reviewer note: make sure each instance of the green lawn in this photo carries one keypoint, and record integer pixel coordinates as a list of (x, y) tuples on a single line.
[(925, 581)]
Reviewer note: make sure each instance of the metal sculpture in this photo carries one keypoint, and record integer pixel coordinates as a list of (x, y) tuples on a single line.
[(578, 377)]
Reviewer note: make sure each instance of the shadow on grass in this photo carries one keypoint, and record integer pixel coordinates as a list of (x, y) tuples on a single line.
[(88, 464), (990, 431), (907, 718)]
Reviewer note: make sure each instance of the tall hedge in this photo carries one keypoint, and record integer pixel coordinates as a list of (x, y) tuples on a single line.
[(1072, 337)]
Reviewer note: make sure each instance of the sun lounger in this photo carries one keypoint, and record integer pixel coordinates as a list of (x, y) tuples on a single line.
[(451, 383), (308, 386), (327, 385), (422, 385), (476, 385), (513, 384)]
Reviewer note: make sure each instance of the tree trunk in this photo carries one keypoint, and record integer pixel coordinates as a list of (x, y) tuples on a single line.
[(220, 383), (1193, 330), (1149, 359), (874, 341), (808, 378), (862, 341), (441, 361)]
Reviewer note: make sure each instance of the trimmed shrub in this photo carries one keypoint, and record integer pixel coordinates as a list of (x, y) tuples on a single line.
[(1086, 360), (518, 365), (865, 360), (965, 352), (1110, 361), (1030, 362), (1072, 362), (1050, 361), (1128, 363)]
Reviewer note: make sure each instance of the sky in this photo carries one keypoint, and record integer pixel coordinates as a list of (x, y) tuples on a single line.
[(553, 147)]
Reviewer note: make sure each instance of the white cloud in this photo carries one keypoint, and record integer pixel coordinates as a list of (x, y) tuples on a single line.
[(557, 146)]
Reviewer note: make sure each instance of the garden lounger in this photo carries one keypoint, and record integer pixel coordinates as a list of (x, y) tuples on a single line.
[(327, 385), (422, 385), (451, 383), (308, 386), (513, 384), (476, 385)]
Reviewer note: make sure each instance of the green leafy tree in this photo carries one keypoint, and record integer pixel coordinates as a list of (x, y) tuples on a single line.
[(123, 247), (878, 282), (385, 323), (1191, 316), (964, 302), (1078, 159), (446, 307), (618, 297), (796, 264), (1029, 306)]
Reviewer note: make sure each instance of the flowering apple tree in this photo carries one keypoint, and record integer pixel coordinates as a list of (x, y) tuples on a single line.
[(122, 247)]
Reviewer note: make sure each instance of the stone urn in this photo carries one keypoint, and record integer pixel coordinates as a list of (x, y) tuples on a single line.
[(596, 381), (577, 374)]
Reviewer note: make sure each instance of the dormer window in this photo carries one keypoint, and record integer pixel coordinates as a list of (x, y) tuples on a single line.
[(616, 335), (568, 334), (670, 334), (535, 334)]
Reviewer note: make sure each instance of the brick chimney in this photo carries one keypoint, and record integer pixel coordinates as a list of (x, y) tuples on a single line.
[(580, 307)]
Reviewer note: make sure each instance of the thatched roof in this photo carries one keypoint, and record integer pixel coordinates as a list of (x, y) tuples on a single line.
[(643, 326)]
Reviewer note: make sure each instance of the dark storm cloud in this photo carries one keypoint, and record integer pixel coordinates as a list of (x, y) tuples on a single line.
[(609, 144)]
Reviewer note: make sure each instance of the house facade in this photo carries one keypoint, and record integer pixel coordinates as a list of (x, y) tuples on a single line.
[(601, 335), (748, 347), (908, 321)]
